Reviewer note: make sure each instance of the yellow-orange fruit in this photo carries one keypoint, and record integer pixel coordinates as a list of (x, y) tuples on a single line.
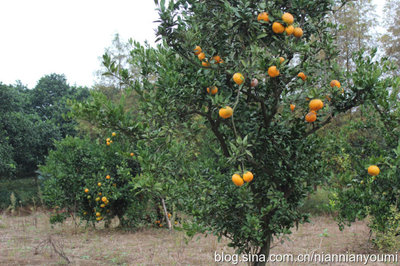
[(302, 76), (311, 117), (248, 176), (132, 154), (315, 104), (278, 27), (201, 56), (273, 71), (263, 16), (86, 190), (104, 199), (373, 170), (289, 30), (238, 78), (205, 64), (335, 83), (217, 59), (213, 90), (288, 18), (281, 59), (237, 180), (225, 112), (197, 50), (297, 32), (108, 177), (292, 106)]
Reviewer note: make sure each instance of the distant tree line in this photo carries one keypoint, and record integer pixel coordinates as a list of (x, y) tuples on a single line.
[(31, 119)]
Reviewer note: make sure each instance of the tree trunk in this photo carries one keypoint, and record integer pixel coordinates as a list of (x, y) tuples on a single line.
[(263, 254)]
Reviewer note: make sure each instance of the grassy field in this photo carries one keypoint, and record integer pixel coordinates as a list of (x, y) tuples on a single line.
[(24, 240)]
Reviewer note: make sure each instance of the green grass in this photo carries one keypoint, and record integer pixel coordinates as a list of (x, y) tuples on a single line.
[(318, 203), (25, 191)]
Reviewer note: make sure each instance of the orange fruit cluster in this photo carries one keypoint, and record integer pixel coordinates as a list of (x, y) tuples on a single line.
[(279, 28), (202, 57), (239, 181)]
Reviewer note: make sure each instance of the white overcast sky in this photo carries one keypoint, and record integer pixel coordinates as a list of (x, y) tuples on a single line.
[(39, 37)]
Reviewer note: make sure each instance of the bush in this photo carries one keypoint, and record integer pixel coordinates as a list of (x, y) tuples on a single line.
[(25, 191), (93, 181)]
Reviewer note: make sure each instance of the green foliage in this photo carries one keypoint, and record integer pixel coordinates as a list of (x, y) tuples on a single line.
[(31, 121), (78, 164), (389, 240), (25, 191)]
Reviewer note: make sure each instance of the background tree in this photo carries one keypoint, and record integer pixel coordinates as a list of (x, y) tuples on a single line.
[(391, 40), (355, 21)]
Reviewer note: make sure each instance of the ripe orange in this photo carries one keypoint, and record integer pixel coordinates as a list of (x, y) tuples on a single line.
[(373, 170), (289, 30), (169, 215), (197, 50), (281, 59), (98, 214), (273, 71), (86, 190), (108, 177), (102, 205), (214, 90), (108, 143), (201, 56), (254, 82), (311, 117), (263, 16), (278, 27), (99, 184), (335, 83), (315, 104), (302, 76), (288, 18), (113, 134), (298, 32), (132, 154), (108, 139), (248, 176), (205, 64), (238, 78), (111, 141), (237, 180), (99, 194), (217, 59), (103, 199), (292, 106), (225, 112)]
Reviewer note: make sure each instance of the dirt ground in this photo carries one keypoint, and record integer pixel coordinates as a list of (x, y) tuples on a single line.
[(29, 240)]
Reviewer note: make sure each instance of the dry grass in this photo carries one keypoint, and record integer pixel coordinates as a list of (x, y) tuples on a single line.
[(21, 236)]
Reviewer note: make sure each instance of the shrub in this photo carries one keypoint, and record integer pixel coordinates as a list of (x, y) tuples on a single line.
[(93, 181)]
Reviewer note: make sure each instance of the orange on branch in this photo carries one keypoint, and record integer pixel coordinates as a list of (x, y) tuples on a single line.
[(288, 18), (225, 112), (273, 71), (238, 78), (237, 180), (315, 104), (263, 16), (311, 117), (278, 27)]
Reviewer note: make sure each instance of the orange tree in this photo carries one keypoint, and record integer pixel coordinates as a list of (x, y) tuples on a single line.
[(261, 64), (226, 113), (92, 180)]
